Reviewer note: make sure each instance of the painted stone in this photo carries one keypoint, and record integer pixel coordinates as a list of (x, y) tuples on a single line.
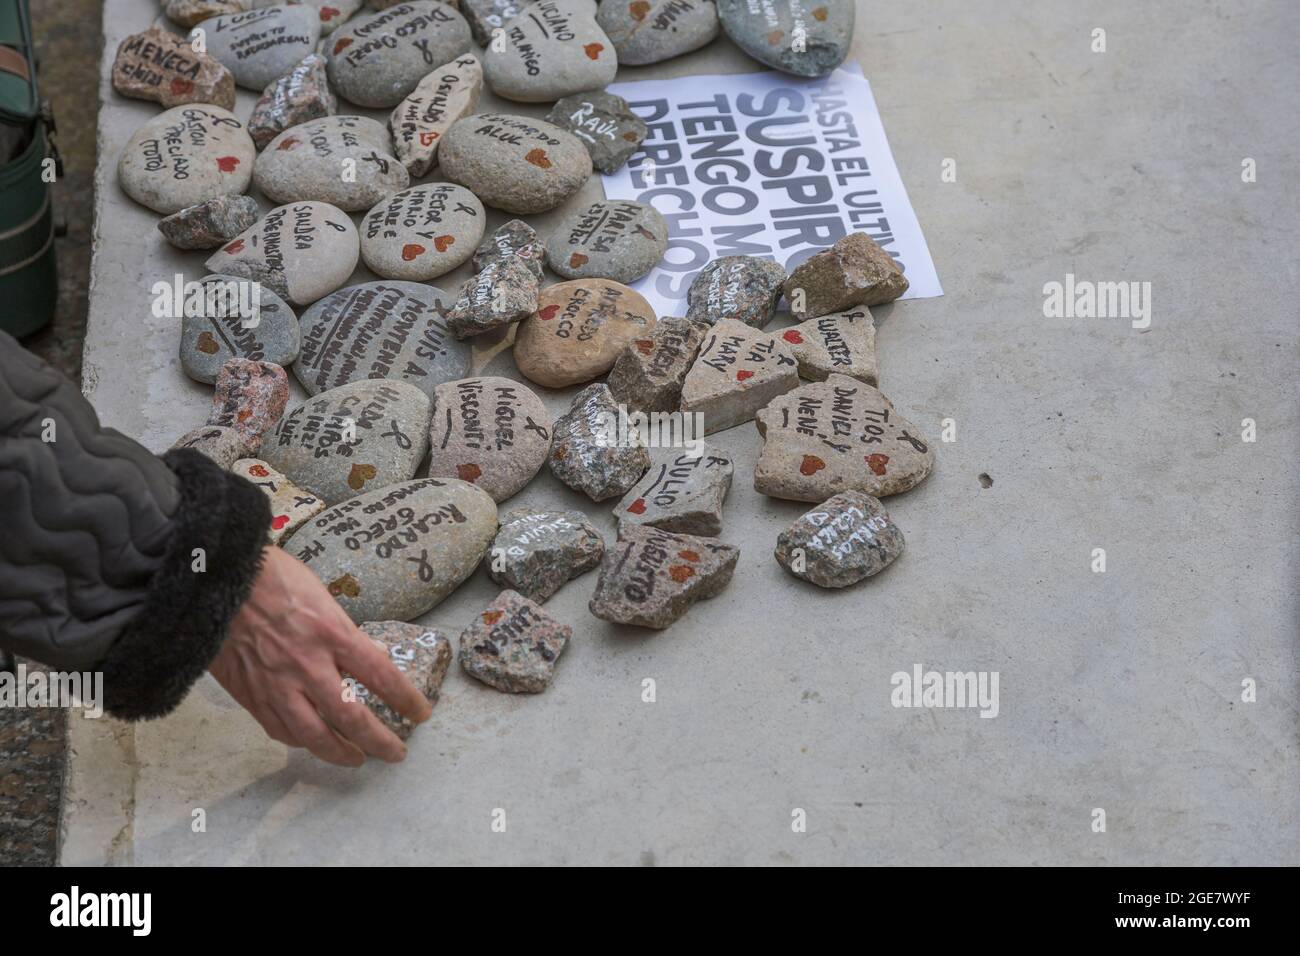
[(842, 342), (239, 319), (650, 31), (423, 232), (291, 507), (422, 654), (744, 288), (649, 372), (503, 293), (352, 439), (185, 156), (484, 16), (377, 60), (738, 371), (300, 251), (420, 121), (345, 161), (840, 542), (516, 239), (221, 445), (551, 49), (804, 37), (650, 578), (587, 452), (683, 491), (332, 13), (603, 123), (538, 552), (838, 435), (513, 645), (210, 223), (260, 46), (514, 163), (491, 432), (578, 330), (611, 239), (855, 271), (301, 95), (380, 330), (250, 397), (396, 552), (187, 13), (163, 67)]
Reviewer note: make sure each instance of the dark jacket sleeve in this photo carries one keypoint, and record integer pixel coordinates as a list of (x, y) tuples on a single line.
[(112, 559)]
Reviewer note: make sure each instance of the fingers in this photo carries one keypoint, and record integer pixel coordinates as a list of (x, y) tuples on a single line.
[(355, 722), (310, 731), (368, 664)]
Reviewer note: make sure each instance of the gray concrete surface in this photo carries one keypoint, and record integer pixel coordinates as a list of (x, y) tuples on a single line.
[(1120, 690)]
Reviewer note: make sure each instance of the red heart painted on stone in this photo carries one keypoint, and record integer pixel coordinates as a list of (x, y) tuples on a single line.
[(689, 555), (443, 243), (638, 9), (289, 143), (427, 138), (538, 158), (637, 507), (593, 50), (342, 45), (548, 313), (491, 617), (257, 471), (411, 250), (877, 463), (328, 13), (810, 465), (234, 246), (279, 521), (468, 472), (181, 86), (743, 374), (793, 337), (577, 260), (227, 164), (680, 573), (645, 346)]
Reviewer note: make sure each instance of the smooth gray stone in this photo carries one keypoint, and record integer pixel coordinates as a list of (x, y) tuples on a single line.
[(387, 329), (307, 163), (260, 46), (650, 31), (219, 332), (377, 60), (396, 552), (804, 37), (185, 156), (352, 439), (615, 239), (551, 49)]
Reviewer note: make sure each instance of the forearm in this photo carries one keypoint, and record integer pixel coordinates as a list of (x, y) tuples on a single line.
[(111, 558)]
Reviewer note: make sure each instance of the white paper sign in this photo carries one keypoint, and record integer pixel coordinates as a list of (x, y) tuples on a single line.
[(768, 165)]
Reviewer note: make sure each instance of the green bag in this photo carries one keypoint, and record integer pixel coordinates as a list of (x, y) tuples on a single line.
[(28, 276)]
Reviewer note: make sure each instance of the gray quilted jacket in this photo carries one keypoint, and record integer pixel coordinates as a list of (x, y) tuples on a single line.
[(98, 539)]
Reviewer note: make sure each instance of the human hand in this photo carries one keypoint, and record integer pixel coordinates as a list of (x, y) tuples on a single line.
[(283, 663)]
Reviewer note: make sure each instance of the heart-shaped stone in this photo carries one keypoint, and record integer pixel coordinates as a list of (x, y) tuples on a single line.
[(863, 444)]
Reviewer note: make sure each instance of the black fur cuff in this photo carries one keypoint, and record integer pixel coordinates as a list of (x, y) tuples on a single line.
[(170, 644)]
